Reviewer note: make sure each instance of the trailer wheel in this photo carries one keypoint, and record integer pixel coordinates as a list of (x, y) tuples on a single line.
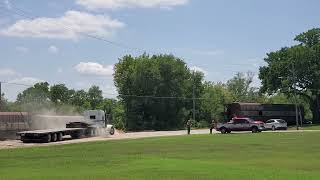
[(54, 137), (59, 137), (112, 131), (48, 138)]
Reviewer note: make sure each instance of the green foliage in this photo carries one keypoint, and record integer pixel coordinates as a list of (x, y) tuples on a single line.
[(296, 66), (155, 76), (215, 96), (95, 96), (242, 91), (59, 93), (276, 156)]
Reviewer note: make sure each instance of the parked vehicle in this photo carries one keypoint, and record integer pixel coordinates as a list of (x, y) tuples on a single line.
[(307, 122), (275, 124), (240, 124)]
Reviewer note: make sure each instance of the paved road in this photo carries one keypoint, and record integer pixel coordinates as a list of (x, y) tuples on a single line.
[(18, 144)]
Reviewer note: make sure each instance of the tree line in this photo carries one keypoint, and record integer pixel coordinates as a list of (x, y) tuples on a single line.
[(158, 92)]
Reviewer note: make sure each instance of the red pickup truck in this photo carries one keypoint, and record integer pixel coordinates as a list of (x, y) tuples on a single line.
[(241, 124)]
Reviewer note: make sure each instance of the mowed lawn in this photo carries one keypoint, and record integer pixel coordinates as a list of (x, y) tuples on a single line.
[(235, 156)]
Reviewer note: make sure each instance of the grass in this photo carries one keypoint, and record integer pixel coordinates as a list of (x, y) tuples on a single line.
[(307, 127), (235, 156)]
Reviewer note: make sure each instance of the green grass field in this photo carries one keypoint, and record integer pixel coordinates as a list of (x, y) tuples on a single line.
[(235, 156)]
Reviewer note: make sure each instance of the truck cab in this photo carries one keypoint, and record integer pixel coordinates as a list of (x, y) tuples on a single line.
[(96, 117)]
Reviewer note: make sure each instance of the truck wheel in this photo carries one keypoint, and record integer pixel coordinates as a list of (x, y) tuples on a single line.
[(112, 131), (54, 137), (255, 130), (59, 137), (48, 138), (223, 130), (273, 128)]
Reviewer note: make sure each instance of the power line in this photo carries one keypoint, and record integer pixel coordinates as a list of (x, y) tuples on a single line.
[(19, 84), (124, 95)]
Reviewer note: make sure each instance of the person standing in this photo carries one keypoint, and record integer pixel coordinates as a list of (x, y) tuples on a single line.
[(189, 126), (212, 125)]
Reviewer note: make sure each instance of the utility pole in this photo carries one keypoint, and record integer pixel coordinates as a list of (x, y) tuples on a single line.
[(295, 95), (0, 98), (193, 99)]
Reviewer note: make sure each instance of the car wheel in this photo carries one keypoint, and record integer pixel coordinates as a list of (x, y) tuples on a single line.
[(223, 130), (273, 128), (254, 130), (112, 131)]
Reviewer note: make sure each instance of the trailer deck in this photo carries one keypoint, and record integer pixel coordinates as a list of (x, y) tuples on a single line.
[(44, 131), (51, 135)]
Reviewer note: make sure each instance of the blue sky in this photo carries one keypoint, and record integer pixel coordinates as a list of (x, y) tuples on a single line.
[(219, 37)]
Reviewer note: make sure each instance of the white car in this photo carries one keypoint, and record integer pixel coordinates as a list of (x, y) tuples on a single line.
[(275, 124)]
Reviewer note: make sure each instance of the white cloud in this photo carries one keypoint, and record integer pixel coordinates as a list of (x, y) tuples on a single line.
[(195, 68), (95, 69), (22, 49), (7, 72), (26, 80), (69, 26), (117, 4), (53, 49)]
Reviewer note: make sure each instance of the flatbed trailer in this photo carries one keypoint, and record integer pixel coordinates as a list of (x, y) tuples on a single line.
[(52, 135)]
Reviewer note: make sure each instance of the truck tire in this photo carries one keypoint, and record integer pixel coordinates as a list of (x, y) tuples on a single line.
[(48, 138), (54, 137), (59, 137), (254, 129), (112, 131), (223, 130)]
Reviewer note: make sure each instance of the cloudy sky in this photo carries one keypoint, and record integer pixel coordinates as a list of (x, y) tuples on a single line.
[(55, 40)]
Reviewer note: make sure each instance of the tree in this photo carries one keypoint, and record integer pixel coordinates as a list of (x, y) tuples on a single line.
[(241, 89), (149, 87), (39, 93), (34, 98), (95, 96), (59, 93), (215, 96), (79, 98), (295, 68)]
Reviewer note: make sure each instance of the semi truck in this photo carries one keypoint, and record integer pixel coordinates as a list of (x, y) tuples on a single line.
[(94, 124)]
